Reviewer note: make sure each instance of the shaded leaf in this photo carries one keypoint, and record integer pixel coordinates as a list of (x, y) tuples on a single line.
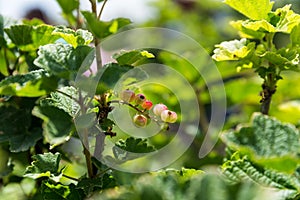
[(62, 59), (54, 190), (14, 128), (44, 165), (103, 29), (68, 5), (241, 168), (61, 101), (33, 84), (267, 142), (132, 145), (58, 125), (29, 38)]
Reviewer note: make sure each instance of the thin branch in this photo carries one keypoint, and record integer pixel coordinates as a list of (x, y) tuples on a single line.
[(130, 105), (102, 8), (69, 177), (94, 6), (103, 172)]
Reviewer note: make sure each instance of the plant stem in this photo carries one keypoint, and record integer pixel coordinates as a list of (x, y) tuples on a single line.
[(130, 105), (101, 10), (88, 160), (96, 40), (269, 88), (85, 141)]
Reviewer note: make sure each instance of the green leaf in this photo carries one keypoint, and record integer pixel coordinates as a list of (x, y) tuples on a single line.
[(75, 38), (111, 74), (133, 145), (29, 38), (287, 19), (2, 39), (267, 142), (245, 32), (68, 5), (133, 58), (61, 101), (233, 50), (253, 9), (44, 165), (62, 60), (33, 84), (241, 168), (89, 185), (169, 184), (285, 59), (254, 29), (103, 29), (14, 128), (54, 190), (295, 35), (58, 125)]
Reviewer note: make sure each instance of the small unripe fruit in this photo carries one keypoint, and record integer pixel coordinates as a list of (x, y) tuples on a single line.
[(139, 99), (168, 116), (127, 95), (140, 120), (147, 105), (158, 108)]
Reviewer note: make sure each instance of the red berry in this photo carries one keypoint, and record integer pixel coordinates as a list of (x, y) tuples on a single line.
[(147, 105), (140, 120)]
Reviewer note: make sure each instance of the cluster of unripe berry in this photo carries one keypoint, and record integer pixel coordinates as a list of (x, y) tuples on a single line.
[(141, 118)]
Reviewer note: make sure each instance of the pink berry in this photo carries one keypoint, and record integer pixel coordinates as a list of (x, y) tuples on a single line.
[(147, 105), (158, 108), (139, 99), (127, 95), (168, 116), (140, 120)]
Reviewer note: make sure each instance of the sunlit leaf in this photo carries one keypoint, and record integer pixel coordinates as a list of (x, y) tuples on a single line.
[(254, 9), (288, 19), (29, 38), (75, 38), (133, 58)]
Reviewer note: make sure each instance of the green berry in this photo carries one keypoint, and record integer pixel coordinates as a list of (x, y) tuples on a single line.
[(158, 108), (168, 116), (140, 120), (139, 99), (127, 95)]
